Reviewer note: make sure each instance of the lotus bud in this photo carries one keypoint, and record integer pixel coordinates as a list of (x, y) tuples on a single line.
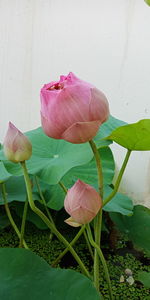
[(17, 147), (72, 109), (82, 203)]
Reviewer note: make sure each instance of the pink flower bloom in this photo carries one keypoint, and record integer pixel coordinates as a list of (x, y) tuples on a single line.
[(82, 203), (72, 109), (17, 147)]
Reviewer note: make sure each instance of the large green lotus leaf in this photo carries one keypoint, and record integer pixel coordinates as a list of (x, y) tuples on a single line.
[(144, 277), (31, 215), (105, 130), (133, 136), (120, 203), (24, 275), (52, 158), (16, 190), (137, 227), (54, 197), (87, 173), (4, 175)]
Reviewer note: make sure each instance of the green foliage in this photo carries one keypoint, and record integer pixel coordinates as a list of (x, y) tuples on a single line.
[(88, 172), (136, 226), (31, 216), (4, 175), (120, 203), (4, 222), (133, 136), (144, 277), (24, 275), (16, 190), (105, 129), (51, 158), (148, 2), (38, 241)]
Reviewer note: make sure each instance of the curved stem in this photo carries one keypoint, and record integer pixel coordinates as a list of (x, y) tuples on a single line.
[(88, 244), (23, 223), (43, 199), (102, 260), (98, 218), (48, 222), (56, 261), (10, 216), (116, 186)]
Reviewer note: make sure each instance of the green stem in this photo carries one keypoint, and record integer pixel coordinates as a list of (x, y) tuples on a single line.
[(23, 223), (116, 186), (56, 261), (88, 244), (43, 199), (102, 260), (48, 222), (63, 187), (99, 167), (98, 218), (10, 216)]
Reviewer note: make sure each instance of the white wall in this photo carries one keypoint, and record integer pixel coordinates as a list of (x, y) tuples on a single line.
[(104, 42)]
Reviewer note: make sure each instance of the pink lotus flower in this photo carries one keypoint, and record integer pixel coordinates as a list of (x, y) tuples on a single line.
[(82, 203), (72, 109), (17, 147)]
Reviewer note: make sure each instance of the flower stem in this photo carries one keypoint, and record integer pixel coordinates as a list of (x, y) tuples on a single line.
[(43, 199), (102, 260), (98, 218), (23, 223), (10, 216), (116, 186), (99, 166), (56, 261), (88, 244), (48, 222)]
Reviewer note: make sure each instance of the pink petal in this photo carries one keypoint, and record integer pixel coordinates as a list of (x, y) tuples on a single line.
[(82, 215), (99, 107), (81, 132), (91, 196), (74, 196), (70, 221), (49, 128)]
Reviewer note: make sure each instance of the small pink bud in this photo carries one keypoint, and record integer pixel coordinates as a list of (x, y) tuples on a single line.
[(72, 109), (17, 147), (82, 203)]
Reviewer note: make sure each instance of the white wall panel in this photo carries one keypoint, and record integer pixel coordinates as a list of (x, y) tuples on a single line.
[(104, 42)]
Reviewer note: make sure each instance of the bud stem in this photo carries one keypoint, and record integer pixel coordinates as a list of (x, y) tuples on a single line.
[(43, 199), (48, 222), (56, 261), (23, 223), (10, 216), (101, 256), (116, 186)]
